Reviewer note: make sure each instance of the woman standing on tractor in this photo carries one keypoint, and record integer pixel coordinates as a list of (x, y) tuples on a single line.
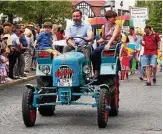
[(111, 32)]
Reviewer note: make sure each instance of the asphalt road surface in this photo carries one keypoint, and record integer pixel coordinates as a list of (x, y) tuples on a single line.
[(140, 112)]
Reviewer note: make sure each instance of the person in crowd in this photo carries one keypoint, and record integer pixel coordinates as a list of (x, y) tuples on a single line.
[(3, 71), (78, 29), (37, 31), (62, 34), (3, 44), (12, 55), (54, 32), (150, 41), (22, 48), (59, 33), (132, 36), (16, 43), (29, 27), (33, 32), (54, 35), (111, 35), (124, 60), (1, 32), (139, 36), (141, 66), (29, 51), (125, 64), (45, 40)]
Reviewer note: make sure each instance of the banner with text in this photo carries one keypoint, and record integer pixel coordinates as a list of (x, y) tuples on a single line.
[(139, 13)]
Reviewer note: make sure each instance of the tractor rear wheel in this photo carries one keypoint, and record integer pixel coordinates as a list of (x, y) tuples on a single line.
[(115, 98)]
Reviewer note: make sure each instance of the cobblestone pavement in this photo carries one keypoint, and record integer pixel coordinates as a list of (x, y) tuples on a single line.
[(139, 113)]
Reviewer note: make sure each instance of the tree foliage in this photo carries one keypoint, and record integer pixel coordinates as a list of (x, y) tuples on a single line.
[(155, 13), (38, 11)]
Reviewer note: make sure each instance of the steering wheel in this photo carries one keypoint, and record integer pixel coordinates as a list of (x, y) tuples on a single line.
[(77, 45)]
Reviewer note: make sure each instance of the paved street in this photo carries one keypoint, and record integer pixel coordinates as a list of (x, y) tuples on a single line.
[(139, 113)]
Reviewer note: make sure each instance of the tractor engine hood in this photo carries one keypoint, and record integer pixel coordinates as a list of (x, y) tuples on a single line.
[(69, 58), (67, 69)]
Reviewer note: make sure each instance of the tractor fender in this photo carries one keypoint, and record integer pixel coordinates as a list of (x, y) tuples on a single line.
[(105, 86), (30, 86)]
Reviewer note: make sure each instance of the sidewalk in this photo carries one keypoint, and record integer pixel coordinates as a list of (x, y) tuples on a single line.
[(30, 76)]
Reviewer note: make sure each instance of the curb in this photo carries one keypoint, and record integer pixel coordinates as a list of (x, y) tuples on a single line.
[(14, 82)]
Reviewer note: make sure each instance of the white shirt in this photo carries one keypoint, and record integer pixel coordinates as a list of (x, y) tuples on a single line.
[(131, 39), (29, 41), (141, 52), (9, 40), (15, 39)]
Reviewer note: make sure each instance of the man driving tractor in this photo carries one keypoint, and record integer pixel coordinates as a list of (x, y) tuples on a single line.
[(78, 29)]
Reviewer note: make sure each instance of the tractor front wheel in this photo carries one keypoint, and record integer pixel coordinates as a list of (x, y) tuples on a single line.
[(28, 111), (102, 111), (46, 81)]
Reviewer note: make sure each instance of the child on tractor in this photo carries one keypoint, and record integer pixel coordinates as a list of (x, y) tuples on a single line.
[(44, 40)]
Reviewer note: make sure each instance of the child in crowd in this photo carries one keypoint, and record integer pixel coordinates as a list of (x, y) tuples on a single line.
[(124, 59), (44, 40), (125, 64), (3, 61)]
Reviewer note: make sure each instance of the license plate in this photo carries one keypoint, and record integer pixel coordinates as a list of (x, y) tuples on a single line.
[(64, 76), (64, 82)]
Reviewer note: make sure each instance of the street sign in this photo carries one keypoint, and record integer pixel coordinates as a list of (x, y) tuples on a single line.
[(139, 13)]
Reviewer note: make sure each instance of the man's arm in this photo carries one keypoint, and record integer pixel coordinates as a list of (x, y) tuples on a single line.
[(89, 33), (142, 42), (67, 36), (19, 45)]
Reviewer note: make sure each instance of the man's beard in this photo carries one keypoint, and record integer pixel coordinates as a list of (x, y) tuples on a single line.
[(77, 22)]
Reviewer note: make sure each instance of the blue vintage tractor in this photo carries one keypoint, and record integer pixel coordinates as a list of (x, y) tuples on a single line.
[(63, 80)]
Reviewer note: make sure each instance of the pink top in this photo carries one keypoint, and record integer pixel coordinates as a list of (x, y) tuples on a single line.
[(108, 33)]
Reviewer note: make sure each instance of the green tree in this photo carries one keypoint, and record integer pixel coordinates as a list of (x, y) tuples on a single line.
[(8, 8), (37, 11), (155, 13)]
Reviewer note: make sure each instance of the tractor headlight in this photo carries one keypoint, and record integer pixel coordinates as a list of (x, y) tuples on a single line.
[(86, 69), (45, 69)]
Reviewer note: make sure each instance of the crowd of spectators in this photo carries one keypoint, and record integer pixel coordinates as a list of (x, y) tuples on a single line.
[(17, 53)]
